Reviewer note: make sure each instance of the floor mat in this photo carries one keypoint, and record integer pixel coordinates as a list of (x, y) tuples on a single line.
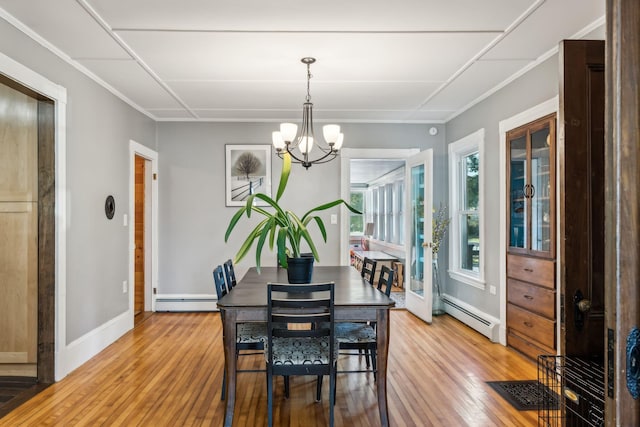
[(523, 395), (398, 297)]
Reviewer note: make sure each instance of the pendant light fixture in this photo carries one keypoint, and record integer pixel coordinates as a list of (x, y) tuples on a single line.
[(299, 144)]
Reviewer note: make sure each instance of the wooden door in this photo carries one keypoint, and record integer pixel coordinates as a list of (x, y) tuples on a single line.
[(622, 248), (581, 149), (139, 261), (18, 233)]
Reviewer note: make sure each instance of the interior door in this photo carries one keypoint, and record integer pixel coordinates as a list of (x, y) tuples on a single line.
[(582, 246), (139, 235), (418, 270), (18, 233)]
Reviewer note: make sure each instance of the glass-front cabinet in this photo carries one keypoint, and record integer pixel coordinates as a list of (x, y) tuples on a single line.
[(531, 188)]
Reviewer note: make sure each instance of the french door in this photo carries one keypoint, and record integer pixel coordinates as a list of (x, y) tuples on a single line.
[(418, 267)]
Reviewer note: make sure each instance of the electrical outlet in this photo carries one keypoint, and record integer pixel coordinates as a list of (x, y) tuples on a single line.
[(334, 219), (124, 287), (492, 290)]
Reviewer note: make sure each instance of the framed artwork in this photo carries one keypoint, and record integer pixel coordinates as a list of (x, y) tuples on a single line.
[(247, 171)]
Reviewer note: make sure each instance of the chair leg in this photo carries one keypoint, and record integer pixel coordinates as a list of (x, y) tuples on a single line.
[(332, 394), (270, 397), (286, 386), (374, 363), (223, 392), (319, 388), (366, 357)]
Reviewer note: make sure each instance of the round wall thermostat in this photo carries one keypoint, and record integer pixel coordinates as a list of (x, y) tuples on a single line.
[(433, 130)]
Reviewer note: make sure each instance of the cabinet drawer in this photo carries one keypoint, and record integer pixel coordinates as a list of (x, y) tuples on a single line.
[(531, 297), (534, 270), (531, 325), (529, 348)]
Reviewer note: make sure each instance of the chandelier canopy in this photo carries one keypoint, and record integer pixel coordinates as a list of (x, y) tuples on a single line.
[(288, 139)]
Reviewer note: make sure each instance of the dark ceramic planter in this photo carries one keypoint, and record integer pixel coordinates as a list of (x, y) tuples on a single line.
[(300, 270)]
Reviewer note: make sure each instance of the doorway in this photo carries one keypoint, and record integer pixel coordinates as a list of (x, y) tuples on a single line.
[(143, 231), (27, 233)]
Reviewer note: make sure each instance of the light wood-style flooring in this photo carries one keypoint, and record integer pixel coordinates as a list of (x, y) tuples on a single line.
[(168, 372)]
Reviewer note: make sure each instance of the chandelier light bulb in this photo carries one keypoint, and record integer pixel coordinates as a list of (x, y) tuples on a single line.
[(330, 133), (338, 143), (288, 131), (278, 141), (306, 145)]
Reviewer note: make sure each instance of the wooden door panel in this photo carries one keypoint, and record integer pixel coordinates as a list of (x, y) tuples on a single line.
[(139, 259), (19, 273), (19, 161), (582, 189)]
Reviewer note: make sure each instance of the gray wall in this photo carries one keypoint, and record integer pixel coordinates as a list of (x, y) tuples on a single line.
[(193, 216), (535, 87), (99, 127)]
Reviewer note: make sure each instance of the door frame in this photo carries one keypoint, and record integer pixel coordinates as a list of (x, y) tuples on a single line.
[(150, 224), (346, 155), (543, 109), (52, 311)]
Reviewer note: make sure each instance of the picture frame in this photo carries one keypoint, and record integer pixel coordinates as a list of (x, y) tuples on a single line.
[(247, 171)]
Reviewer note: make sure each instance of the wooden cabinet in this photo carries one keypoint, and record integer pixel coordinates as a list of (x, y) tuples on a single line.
[(531, 287)]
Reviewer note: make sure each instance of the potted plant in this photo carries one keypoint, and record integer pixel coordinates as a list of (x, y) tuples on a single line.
[(283, 228)]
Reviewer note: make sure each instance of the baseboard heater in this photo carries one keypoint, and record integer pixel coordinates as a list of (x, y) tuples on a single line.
[(482, 322), (178, 302)]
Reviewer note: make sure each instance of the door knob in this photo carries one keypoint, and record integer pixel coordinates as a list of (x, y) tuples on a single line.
[(584, 305)]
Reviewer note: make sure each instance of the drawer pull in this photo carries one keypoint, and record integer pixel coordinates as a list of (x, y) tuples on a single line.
[(529, 297), (528, 270), (528, 324)]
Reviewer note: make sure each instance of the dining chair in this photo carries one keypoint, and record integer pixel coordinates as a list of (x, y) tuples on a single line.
[(386, 280), (368, 269), (362, 336), (249, 336), (230, 274), (300, 336)]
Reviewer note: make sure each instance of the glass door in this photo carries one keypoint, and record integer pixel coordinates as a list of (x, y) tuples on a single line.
[(418, 267)]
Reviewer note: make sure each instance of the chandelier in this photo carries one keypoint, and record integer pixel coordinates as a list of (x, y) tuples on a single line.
[(288, 139)]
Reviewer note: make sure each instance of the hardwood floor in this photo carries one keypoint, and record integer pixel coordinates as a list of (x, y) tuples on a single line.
[(168, 372)]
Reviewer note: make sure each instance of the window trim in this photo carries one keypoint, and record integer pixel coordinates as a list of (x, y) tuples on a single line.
[(473, 143)]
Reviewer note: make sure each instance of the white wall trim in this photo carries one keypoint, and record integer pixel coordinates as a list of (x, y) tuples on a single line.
[(38, 83), (84, 348), (346, 154), (136, 148), (548, 107)]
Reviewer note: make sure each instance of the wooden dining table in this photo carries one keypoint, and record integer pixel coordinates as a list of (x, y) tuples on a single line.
[(355, 300)]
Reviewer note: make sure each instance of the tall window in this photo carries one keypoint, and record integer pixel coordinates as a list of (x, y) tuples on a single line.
[(356, 221), (466, 243)]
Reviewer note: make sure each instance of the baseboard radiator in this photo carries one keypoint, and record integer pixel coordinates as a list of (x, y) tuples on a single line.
[(485, 324), (186, 302)]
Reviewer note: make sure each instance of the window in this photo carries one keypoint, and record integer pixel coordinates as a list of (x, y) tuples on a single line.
[(387, 195), (466, 240), (356, 221)]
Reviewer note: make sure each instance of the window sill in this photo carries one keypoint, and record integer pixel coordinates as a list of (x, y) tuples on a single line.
[(476, 282)]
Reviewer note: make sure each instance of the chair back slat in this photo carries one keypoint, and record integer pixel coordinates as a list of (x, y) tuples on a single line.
[(368, 269), (218, 278), (386, 280), (230, 274)]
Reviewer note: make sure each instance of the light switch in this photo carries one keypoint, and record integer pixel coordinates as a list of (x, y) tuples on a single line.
[(125, 220), (334, 219)]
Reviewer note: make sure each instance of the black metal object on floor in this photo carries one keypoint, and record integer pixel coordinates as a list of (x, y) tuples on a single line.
[(523, 395)]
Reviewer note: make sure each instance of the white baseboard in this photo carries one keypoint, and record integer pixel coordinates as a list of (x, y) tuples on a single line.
[(484, 323), (77, 352), (186, 302)]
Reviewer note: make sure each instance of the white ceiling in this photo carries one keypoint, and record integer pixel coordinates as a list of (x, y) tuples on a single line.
[(406, 61)]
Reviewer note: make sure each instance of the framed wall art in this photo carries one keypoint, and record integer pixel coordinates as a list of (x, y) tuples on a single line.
[(247, 171)]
